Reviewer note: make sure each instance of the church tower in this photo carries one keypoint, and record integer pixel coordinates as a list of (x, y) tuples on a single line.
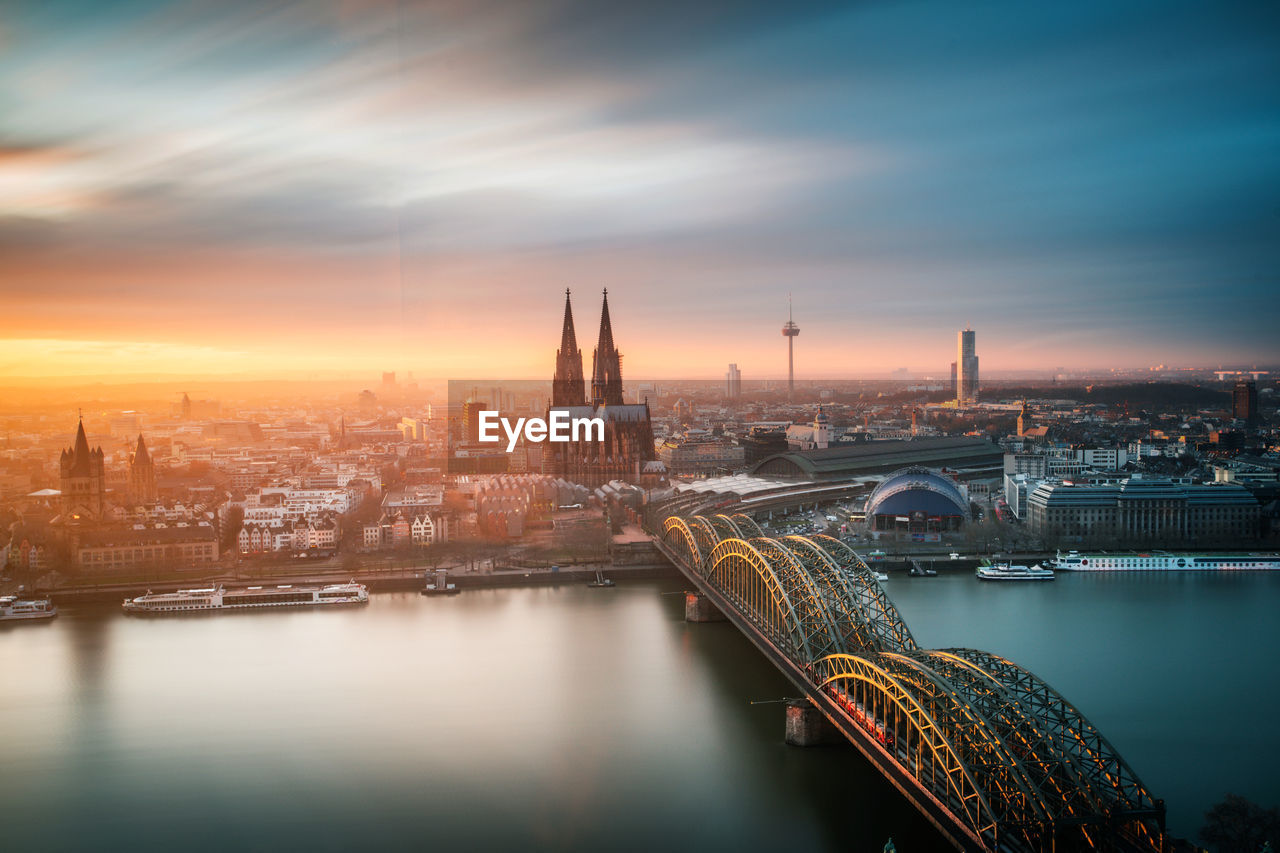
[(569, 387), (1024, 420), (82, 479), (821, 431), (606, 375), (142, 475)]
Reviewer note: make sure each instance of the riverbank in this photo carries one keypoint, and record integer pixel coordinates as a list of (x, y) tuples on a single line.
[(379, 580)]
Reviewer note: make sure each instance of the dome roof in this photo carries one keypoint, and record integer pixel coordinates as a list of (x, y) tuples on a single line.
[(917, 490)]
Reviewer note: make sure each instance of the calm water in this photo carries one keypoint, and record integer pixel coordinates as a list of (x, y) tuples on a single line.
[(574, 719)]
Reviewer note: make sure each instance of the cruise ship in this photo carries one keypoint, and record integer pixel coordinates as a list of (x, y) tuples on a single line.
[(14, 609), (1009, 572), (216, 598), (1163, 561)]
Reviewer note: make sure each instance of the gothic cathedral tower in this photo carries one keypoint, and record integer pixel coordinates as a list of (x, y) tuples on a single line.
[(83, 480), (568, 388)]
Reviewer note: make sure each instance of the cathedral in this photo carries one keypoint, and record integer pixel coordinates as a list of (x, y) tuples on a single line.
[(83, 480), (628, 433)]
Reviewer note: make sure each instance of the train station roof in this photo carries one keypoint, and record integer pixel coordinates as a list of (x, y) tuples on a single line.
[(844, 462)]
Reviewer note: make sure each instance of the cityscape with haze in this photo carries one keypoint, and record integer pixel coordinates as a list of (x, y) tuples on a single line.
[(728, 426)]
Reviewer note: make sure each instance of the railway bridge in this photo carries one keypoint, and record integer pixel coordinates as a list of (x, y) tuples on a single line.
[(990, 754)]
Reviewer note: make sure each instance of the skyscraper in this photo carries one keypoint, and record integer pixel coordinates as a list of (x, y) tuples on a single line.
[(733, 382), (1244, 401), (966, 368), (789, 331)]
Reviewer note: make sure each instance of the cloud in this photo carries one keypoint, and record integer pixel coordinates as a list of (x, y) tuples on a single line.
[(903, 161)]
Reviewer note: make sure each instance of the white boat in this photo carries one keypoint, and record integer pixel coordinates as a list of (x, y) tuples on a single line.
[(1013, 572), (1163, 561), (14, 609), (217, 598)]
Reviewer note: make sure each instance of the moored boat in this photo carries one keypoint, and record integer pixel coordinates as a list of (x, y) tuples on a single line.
[(217, 598), (1013, 572), (14, 609), (1163, 561)]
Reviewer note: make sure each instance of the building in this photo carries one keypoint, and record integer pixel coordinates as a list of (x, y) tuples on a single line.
[(697, 453), (789, 331), (815, 436), (967, 368), (628, 429), (917, 501), (733, 382), (761, 442), (142, 475), (1244, 402), (969, 457), (1024, 420), (1017, 488), (141, 547), (471, 421), (83, 481), (1136, 510)]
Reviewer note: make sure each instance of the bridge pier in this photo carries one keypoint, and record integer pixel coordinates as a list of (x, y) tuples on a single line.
[(807, 726), (699, 608)]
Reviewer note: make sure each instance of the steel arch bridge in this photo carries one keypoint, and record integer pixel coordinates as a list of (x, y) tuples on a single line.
[(964, 733)]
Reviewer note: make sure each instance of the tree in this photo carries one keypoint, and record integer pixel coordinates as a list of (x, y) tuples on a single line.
[(231, 528), (1237, 825)]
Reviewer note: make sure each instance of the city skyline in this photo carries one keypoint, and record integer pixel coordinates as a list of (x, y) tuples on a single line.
[(1090, 188)]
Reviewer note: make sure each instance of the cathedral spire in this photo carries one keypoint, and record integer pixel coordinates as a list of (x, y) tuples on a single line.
[(568, 388), (568, 339), (81, 446), (140, 454), (606, 374)]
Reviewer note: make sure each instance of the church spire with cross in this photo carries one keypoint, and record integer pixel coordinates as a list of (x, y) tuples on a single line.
[(569, 387), (606, 375)]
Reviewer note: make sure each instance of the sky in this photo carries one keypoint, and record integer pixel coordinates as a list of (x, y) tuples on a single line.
[(226, 187)]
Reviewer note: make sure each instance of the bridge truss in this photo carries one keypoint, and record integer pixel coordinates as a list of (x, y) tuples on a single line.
[(1010, 759)]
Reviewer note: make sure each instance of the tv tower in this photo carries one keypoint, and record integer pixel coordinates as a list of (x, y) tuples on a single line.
[(789, 331)]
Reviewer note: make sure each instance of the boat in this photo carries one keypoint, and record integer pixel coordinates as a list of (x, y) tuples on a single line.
[(1163, 561), (1013, 572), (601, 581), (14, 609), (253, 597)]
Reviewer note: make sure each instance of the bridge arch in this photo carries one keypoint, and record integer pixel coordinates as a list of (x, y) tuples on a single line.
[(852, 621), (708, 537), (822, 637), (747, 525), (883, 701), (677, 534), (1107, 778), (892, 633), (745, 576), (995, 765)]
